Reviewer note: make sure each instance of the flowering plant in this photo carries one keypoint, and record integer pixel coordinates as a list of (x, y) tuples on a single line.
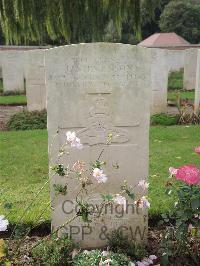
[(187, 193), (184, 183), (89, 179)]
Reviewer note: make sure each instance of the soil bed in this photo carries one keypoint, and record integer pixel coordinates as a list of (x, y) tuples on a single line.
[(23, 255)]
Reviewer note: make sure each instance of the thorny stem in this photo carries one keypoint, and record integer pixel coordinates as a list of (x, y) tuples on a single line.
[(38, 218), (28, 207), (37, 194), (100, 154), (65, 223)]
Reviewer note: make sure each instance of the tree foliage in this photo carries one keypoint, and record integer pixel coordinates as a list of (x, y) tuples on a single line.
[(150, 24), (68, 21), (182, 17)]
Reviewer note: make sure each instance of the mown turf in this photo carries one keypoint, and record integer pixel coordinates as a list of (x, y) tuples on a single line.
[(13, 100), (173, 95), (24, 168)]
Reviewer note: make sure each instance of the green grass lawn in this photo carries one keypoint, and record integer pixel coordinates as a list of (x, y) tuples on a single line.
[(13, 100), (172, 95), (24, 168)]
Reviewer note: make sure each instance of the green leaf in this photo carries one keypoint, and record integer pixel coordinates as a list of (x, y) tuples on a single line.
[(107, 197), (165, 260), (8, 205), (195, 203), (60, 189), (130, 194), (168, 191), (59, 169)]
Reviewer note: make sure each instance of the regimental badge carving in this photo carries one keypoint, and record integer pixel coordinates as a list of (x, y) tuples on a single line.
[(100, 123)]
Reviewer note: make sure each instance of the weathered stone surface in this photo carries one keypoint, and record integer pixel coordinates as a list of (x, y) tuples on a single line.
[(175, 59), (197, 85), (96, 89), (190, 69), (162, 63), (159, 80), (35, 80), (13, 70)]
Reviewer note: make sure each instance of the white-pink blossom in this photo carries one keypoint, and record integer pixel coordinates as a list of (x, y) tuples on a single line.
[(75, 252), (141, 263), (99, 175), (173, 171), (120, 200), (105, 253), (3, 223), (71, 136), (142, 203), (143, 184), (190, 226), (107, 262), (146, 262), (86, 251), (73, 140), (152, 257)]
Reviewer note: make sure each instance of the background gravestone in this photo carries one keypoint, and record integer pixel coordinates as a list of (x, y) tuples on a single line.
[(190, 69), (35, 80), (159, 80), (13, 70), (97, 89), (163, 61)]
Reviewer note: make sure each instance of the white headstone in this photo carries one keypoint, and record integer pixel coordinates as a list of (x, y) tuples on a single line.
[(162, 63), (35, 80), (175, 59), (13, 70), (190, 69), (159, 80), (97, 89), (197, 87)]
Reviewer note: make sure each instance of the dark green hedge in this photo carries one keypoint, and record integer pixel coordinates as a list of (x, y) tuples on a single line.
[(164, 119), (28, 120)]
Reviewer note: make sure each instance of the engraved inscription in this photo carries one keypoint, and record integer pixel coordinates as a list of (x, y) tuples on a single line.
[(100, 124)]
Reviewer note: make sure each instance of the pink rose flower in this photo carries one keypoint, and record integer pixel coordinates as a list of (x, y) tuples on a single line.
[(197, 149), (190, 174)]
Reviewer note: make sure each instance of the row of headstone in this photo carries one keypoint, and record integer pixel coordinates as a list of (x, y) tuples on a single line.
[(25, 70)]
